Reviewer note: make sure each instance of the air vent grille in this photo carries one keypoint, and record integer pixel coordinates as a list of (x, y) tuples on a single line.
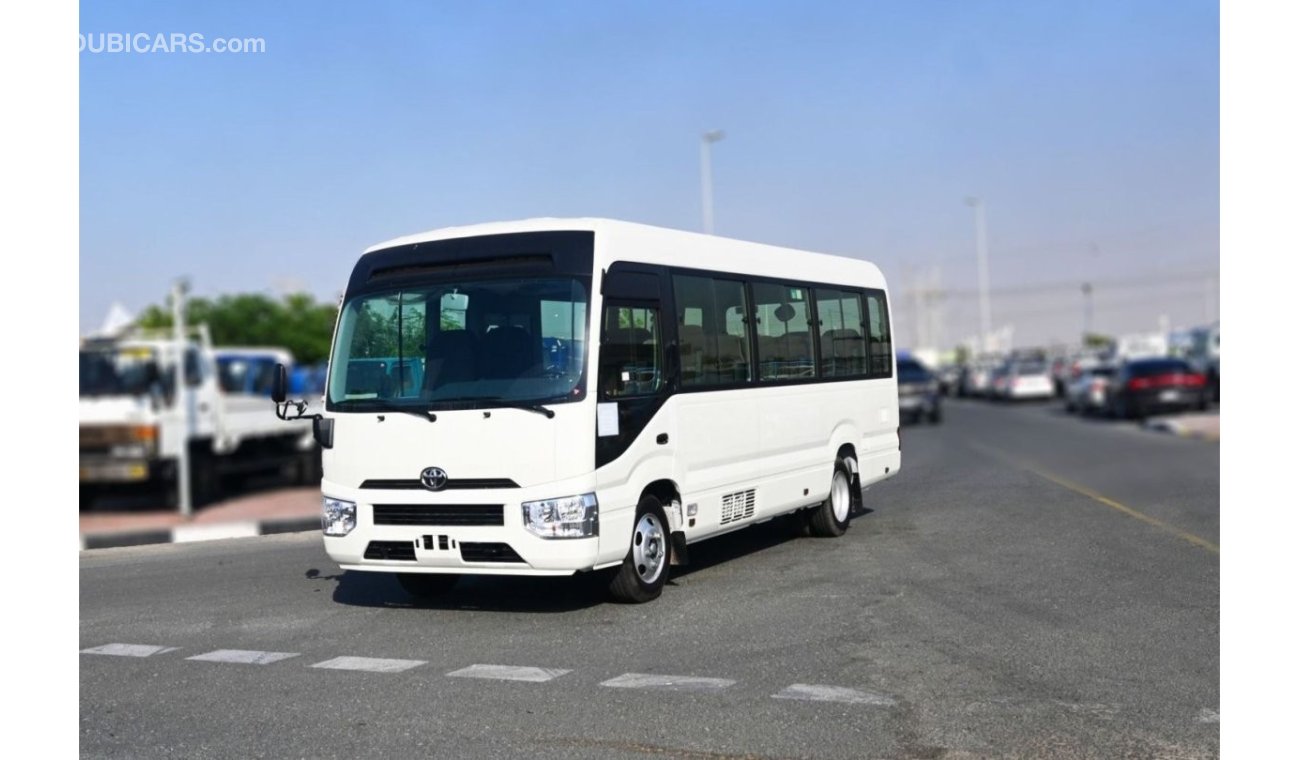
[(737, 506)]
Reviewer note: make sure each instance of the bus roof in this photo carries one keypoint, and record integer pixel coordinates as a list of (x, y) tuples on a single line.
[(629, 241)]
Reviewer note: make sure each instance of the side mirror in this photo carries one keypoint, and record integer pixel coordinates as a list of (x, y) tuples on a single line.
[(280, 386)]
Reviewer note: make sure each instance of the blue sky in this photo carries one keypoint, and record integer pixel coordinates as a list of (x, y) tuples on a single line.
[(1091, 129)]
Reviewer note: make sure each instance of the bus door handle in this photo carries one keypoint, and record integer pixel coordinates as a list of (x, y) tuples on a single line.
[(661, 439)]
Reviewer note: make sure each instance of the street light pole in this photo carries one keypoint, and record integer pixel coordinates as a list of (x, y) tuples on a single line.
[(982, 260), (706, 175), (1087, 311), (182, 396)]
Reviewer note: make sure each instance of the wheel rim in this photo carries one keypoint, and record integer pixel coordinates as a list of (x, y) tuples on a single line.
[(648, 548), (840, 496)]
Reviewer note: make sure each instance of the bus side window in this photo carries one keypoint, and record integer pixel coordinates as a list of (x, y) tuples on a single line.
[(881, 357), (631, 362), (844, 348), (712, 330)]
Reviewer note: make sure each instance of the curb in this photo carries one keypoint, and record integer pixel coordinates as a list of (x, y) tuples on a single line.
[(198, 532)]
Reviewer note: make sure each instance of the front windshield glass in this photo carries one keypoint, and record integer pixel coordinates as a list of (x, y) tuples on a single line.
[(117, 371), (468, 344)]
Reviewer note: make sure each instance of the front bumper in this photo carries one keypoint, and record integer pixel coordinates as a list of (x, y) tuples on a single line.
[(101, 469), (506, 549)]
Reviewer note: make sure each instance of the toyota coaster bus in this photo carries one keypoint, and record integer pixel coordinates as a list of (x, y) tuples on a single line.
[(554, 396)]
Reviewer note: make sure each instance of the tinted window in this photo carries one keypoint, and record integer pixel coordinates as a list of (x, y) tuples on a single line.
[(712, 330), (785, 346), (1161, 367), (880, 346), (843, 345)]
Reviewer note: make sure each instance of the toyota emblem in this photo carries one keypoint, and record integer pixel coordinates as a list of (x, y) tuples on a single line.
[(433, 478)]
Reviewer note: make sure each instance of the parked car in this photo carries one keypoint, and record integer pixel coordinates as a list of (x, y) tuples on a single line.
[(949, 377), (1060, 369), (1024, 380), (978, 377), (918, 391), (1087, 393), (998, 381), (1149, 386)]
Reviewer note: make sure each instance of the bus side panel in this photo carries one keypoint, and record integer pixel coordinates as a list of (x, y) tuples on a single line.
[(619, 484), (879, 455)]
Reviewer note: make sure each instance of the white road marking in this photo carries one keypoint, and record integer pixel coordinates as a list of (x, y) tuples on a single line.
[(128, 650), (211, 531), (509, 673), (1208, 716), (243, 656), (372, 664), (818, 693), (671, 683)]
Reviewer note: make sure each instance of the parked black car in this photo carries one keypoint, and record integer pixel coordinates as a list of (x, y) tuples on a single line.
[(918, 391), (1150, 386)]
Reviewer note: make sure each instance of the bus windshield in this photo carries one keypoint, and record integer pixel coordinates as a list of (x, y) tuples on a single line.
[(461, 345)]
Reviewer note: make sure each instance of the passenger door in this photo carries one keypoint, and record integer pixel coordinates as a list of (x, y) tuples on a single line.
[(632, 376)]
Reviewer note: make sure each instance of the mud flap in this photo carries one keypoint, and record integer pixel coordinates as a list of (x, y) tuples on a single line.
[(857, 507), (679, 555)]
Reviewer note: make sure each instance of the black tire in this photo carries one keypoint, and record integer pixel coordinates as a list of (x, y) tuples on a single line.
[(644, 571), (86, 496), (824, 521), (427, 585)]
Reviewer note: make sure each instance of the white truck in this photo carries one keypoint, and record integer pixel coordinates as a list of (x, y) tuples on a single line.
[(1141, 346), (133, 423)]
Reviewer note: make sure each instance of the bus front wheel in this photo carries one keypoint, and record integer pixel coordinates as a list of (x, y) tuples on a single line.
[(831, 519), (644, 570)]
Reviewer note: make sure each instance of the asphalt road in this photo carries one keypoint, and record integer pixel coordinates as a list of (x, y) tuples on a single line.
[(1029, 585)]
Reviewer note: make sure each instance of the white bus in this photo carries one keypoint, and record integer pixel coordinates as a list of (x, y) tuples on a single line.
[(554, 396)]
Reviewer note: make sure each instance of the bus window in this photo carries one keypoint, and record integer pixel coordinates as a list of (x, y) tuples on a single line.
[(712, 340), (881, 348), (844, 348), (630, 359), (785, 346)]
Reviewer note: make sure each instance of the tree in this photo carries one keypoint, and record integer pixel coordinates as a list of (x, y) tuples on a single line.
[(1094, 340), (296, 322)]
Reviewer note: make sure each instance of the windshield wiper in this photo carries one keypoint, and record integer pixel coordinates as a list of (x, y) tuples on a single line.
[(499, 401), (382, 407)]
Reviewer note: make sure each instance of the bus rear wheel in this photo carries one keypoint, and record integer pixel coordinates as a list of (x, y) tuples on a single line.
[(831, 519), (644, 570)]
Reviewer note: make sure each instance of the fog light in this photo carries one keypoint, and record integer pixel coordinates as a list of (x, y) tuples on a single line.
[(339, 517), (565, 517)]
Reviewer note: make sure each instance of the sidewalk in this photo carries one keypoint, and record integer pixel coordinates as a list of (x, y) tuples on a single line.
[(280, 511), (1203, 425)]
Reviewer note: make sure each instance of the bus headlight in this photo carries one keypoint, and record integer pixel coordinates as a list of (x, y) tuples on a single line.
[(565, 517), (339, 517)]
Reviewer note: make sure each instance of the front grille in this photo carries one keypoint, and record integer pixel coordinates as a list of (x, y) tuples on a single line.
[(98, 439), (439, 514), (402, 550), (488, 552), (453, 484)]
